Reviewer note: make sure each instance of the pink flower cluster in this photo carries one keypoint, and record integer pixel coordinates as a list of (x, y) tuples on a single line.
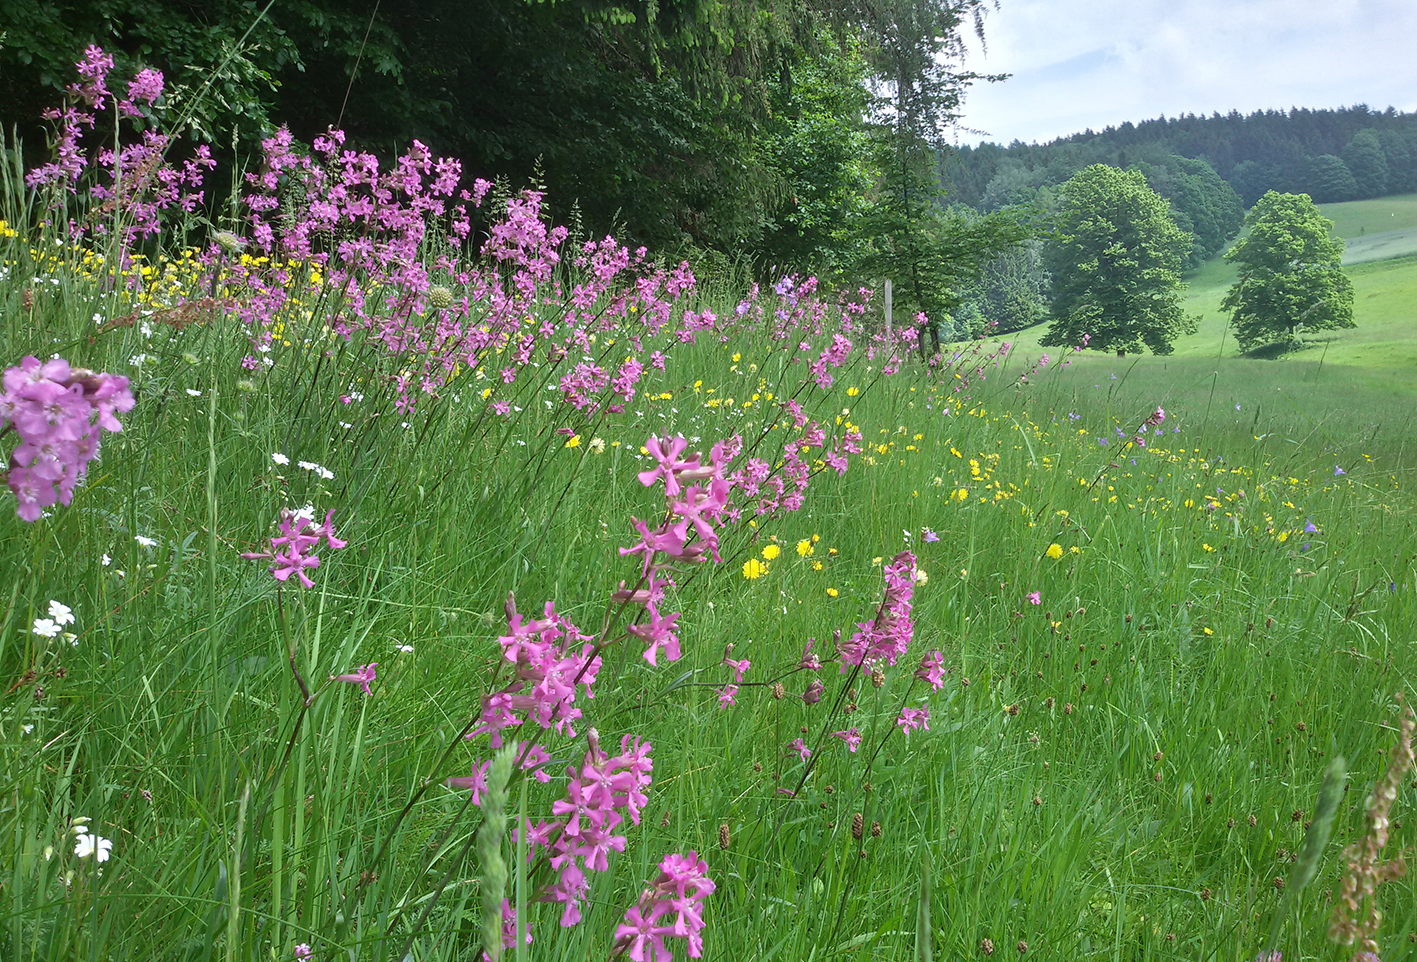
[(584, 835), (137, 180), (548, 667), (1152, 420), (697, 497), (679, 891), (58, 413), (290, 550), (509, 929), (885, 637)]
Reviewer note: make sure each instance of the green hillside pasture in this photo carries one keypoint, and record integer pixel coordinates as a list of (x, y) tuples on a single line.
[(1305, 414), (1345, 387), (1377, 247), (1385, 309), (1359, 218)]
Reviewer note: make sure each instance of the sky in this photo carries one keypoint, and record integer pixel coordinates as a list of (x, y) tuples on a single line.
[(1079, 64)]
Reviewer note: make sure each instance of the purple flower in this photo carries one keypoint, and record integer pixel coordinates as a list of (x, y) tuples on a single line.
[(813, 694), (58, 413), (659, 632), (362, 677), (672, 907), (929, 535), (886, 636), (1035, 598), (739, 665), (289, 549), (932, 670), (912, 718), (800, 747), (852, 737), (1310, 527), (1338, 471)]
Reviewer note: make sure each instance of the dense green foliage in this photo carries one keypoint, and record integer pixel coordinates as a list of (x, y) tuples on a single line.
[(1116, 256), (1290, 273), (1265, 150), (1202, 204), (746, 128), (1009, 293)]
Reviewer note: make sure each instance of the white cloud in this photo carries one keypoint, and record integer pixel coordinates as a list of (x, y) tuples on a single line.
[(1079, 63)]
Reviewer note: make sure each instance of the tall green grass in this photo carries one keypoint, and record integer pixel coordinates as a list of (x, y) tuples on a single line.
[(1122, 770)]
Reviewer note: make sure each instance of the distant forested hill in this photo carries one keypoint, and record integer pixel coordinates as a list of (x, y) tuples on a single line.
[(1347, 154)]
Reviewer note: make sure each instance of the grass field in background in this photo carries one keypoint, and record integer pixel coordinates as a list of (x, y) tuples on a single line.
[(1358, 218), (1360, 380)]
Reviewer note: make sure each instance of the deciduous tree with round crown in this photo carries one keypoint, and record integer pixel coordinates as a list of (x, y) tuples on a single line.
[(1291, 275), (1116, 256)]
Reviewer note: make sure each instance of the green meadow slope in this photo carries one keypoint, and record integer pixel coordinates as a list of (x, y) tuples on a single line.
[(1344, 384)]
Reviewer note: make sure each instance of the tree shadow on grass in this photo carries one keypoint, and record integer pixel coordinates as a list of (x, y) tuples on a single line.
[(1276, 350)]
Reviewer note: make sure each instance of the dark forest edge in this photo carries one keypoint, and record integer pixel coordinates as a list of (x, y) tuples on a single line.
[(749, 137)]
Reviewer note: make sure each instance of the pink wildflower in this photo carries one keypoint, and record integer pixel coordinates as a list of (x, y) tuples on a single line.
[(912, 718), (362, 677), (887, 635), (852, 737), (932, 670), (679, 891), (58, 414)]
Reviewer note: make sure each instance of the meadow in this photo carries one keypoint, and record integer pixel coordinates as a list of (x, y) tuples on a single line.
[(1355, 382), (901, 660)]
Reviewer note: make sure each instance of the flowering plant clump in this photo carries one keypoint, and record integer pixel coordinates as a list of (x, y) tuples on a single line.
[(290, 549), (58, 413), (136, 180), (682, 885), (885, 637)]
